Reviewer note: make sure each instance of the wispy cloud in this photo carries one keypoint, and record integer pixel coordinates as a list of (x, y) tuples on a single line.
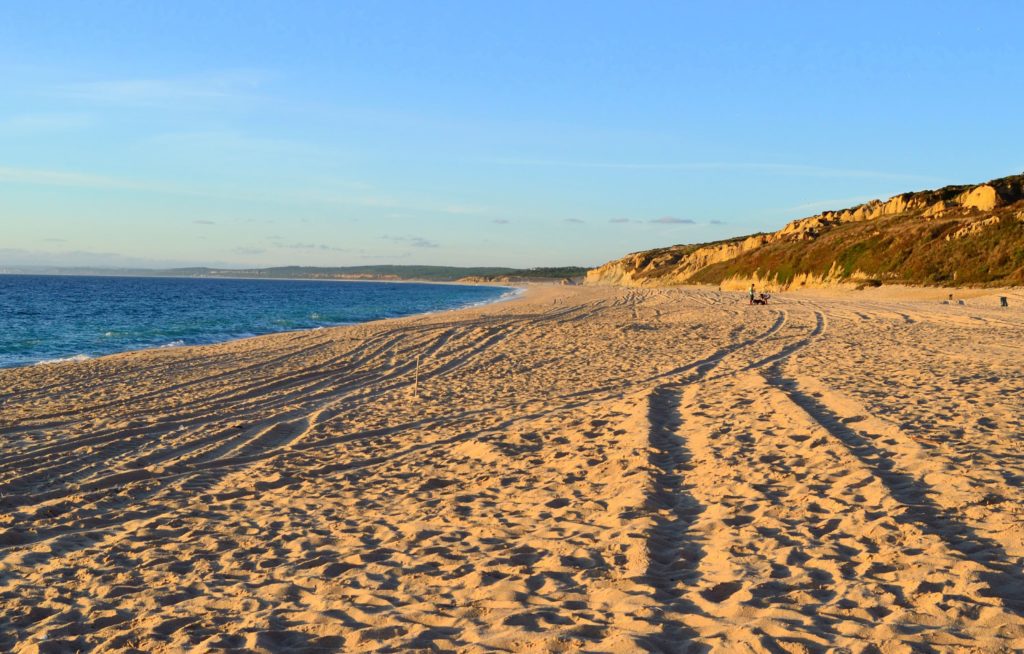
[(384, 202), (169, 91), (299, 196), (74, 179), (204, 222), (767, 168), (413, 241), (670, 220), (45, 122), (71, 258), (574, 221), (65, 178), (230, 141), (663, 220), (311, 246), (500, 221)]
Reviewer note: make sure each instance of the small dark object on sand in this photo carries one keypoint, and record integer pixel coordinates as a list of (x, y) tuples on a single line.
[(1003, 302)]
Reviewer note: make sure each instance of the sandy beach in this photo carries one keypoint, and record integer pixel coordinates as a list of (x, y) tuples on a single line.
[(580, 469)]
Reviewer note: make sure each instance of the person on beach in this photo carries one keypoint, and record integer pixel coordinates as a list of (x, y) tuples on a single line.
[(751, 293)]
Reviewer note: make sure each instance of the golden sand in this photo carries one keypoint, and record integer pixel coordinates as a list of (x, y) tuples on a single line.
[(581, 469)]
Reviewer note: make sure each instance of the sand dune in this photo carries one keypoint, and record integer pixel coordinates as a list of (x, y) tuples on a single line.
[(582, 469)]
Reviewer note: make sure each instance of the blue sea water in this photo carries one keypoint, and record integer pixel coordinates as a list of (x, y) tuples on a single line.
[(46, 318)]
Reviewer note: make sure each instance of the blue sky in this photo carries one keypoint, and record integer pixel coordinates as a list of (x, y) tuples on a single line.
[(480, 133)]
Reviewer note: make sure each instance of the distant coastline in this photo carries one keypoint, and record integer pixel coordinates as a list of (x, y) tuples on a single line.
[(58, 318), (382, 273)]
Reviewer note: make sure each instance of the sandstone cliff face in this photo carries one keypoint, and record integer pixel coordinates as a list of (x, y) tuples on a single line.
[(868, 242), (677, 264), (984, 198)]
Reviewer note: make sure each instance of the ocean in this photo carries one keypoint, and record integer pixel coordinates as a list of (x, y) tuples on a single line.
[(45, 318)]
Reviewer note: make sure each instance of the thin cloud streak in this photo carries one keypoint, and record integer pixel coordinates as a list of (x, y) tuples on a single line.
[(413, 241), (670, 220), (773, 168), (65, 178), (226, 141), (212, 87), (21, 258), (45, 122), (71, 179)]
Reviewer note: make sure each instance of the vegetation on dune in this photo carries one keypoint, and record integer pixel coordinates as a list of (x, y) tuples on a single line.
[(957, 235), (894, 249)]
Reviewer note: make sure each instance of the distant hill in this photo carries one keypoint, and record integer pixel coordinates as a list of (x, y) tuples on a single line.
[(398, 273), (970, 235), (376, 273)]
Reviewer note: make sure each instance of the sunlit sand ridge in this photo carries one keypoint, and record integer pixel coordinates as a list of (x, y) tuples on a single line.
[(592, 469)]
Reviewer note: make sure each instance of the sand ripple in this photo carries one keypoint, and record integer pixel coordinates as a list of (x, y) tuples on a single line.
[(605, 470)]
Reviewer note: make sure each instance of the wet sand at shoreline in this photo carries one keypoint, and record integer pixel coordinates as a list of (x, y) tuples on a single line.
[(579, 469)]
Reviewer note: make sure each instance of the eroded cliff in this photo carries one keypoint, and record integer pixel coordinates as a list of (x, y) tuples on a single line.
[(956, 235)]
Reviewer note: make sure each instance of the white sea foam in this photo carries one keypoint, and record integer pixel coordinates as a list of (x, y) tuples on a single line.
[(177, 343), (510, 294), (77, 357)]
